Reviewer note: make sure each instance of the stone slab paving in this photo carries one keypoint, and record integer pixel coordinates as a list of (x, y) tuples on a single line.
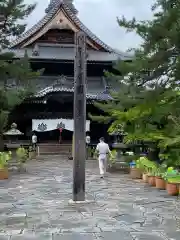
[(34, 205)]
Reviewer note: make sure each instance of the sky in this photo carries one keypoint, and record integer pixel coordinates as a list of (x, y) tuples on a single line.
[(100, 16)]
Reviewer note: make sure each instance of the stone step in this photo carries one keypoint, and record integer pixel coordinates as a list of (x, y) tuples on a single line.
[(55, 153), (55, 149)]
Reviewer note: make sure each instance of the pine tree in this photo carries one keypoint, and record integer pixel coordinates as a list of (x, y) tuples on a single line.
[(15, 74), (148, 100)]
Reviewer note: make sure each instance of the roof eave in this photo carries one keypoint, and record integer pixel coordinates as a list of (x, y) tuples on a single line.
[(74, 18)]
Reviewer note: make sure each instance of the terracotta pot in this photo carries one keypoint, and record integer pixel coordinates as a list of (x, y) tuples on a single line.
[(160, 183), (172, 189), (135, 173), (145, 177), (152, 181), (4, 174)]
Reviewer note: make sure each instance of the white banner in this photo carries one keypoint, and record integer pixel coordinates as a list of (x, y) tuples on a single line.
[(44, 125)]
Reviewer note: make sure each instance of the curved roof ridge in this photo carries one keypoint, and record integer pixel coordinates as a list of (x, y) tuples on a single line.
[(34, 28), (77, 21), (92, 35)]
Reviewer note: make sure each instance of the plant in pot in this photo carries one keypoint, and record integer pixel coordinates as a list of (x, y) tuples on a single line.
[(149, 170), (111, 159), (139, 168), (160, 182), (144, 163), (145, 175), (4, 158), (172, 184), (152, 176), (135, 169), (22, 156)]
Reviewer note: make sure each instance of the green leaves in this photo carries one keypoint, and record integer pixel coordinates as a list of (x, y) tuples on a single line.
[(16, 76), (3, 120), (147, 104), (13, 11)]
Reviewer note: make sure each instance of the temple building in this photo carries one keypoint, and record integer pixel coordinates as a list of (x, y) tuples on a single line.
[(50, 46)]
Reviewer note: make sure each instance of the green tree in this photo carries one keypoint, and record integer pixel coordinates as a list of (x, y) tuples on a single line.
[(15, 74), (148, 99)]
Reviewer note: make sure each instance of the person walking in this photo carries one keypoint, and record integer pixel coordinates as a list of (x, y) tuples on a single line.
[(88, 140), (34, 141), (102, 149)]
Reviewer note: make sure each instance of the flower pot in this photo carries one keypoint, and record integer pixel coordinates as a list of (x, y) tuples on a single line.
[(172, 189), (160, 183), (4, 174), (145, 177), (152, 181), (135, 173)]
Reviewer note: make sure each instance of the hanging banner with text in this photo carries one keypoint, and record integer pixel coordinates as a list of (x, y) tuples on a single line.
[(45, 125)]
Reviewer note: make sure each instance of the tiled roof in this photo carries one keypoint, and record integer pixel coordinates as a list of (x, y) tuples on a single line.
[(64, 53), (102, 96), (53, 3), (75, 19)]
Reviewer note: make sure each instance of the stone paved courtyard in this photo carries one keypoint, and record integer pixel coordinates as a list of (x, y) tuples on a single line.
[(35, 205)]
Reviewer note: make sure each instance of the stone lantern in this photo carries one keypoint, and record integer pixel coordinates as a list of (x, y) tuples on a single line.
[(13, 133), (119, 146)]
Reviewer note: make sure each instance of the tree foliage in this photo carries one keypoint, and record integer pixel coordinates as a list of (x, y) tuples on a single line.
[(16, 75), (147, 105), (14, 12)]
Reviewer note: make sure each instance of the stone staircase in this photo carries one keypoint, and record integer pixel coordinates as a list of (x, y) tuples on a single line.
[(55, 149)]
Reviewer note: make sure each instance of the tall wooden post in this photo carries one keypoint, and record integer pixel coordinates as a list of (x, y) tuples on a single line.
[(79, 154)]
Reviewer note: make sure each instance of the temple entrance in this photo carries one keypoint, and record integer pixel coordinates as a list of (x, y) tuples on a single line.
[(59, 131), (55, 136)]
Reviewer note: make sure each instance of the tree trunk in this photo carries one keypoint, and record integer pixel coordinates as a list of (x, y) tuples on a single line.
[(1, 143)]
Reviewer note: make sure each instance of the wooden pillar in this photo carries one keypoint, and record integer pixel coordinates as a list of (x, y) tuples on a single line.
[(79, 155)]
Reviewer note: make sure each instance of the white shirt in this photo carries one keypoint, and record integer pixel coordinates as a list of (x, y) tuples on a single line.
[(34, 139), (88, 139), (103, 148)]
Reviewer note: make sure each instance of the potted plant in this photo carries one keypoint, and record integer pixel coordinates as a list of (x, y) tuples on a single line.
[(22, 157), (111, 160), (145, 175), (160, 182), (135, 169), (172, 184), (144, 168), (4, 158), (152, 177), (139, 169), (149, 168)]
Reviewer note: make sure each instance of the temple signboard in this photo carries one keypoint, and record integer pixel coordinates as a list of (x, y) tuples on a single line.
[(45, 125)]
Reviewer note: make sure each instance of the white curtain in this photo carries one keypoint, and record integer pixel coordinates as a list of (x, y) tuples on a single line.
[(44, 125)]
